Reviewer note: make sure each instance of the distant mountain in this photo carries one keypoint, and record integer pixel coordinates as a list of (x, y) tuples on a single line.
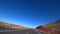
[(13, 26), (52, 28)]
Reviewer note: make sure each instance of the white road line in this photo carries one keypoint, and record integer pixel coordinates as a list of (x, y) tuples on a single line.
[(37, 31)]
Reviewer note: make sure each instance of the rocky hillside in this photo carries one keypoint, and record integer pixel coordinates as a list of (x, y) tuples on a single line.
[(51, 28), (8, 25)]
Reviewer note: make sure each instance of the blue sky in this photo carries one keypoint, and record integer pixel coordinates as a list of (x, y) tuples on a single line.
[(29, 13)]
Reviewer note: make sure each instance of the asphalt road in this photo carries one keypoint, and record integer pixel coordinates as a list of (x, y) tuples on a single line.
[(28, 31)]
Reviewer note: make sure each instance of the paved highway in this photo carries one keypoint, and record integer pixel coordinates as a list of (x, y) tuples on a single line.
[(28, 31)]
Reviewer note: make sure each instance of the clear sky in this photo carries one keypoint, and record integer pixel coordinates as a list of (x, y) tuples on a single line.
[(29, 13)]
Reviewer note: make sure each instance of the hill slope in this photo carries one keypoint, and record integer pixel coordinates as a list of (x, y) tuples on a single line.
[(8, 25), (52, 28)]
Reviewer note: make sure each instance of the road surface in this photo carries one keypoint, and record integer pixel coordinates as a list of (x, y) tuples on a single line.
[(28, 31)]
